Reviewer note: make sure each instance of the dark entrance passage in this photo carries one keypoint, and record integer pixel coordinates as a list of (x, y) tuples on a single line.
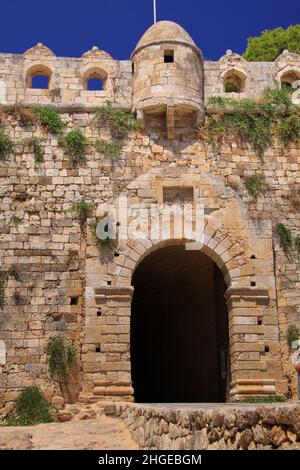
[(179, 335)]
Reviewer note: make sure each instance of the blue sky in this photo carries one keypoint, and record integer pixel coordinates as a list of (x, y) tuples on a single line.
[(70, 28)]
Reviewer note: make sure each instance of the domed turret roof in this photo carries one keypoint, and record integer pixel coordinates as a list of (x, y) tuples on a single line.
[(165, 31)]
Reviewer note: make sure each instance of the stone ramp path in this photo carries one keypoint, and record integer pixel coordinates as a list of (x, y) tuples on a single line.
[(103, 433)]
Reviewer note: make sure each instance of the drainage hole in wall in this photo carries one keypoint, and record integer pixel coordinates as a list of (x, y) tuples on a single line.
[(74, 300)]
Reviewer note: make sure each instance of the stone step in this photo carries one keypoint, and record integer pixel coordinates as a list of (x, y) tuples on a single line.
[(88, 399)]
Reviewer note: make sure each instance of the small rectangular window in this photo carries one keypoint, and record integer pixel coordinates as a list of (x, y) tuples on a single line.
[(168, 57)]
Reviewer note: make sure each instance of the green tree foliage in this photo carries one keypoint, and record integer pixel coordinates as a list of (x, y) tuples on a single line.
[(271, 43)]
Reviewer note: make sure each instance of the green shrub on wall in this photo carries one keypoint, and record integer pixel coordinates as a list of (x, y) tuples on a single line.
[(49, 118), (287, 241), (30, 408), (74, 143), (110, 150), (231, 87), (82, 210), (256, 185), (35, 143), (61, 358), (253, 122), (121, 124), (285, 236), (15, 220), (7, 146), (106, 240)]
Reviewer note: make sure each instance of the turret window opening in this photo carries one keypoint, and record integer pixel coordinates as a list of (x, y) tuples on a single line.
[(169, 57)]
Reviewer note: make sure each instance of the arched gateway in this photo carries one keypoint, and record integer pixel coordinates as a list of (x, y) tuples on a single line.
[(190, 324), (179, 328)]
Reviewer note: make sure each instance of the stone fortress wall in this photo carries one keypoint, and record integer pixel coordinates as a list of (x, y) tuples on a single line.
[(68, 77), (57, 263)]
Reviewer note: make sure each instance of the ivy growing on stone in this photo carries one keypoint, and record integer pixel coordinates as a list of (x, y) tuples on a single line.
[(49, 118), (256, 185), (110, 150), (60, 358), (82, 210), (287, 241), (7, 146), (285, 236), (15, 220), (35, 143), (121, 124), (74, 143), (106, 240), (253, 122)]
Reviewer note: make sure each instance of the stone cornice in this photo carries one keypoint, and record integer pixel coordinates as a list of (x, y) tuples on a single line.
[(113, 292), (245, 292)]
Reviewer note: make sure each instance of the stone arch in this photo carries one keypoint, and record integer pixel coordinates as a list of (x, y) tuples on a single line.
[(95, 72), (236, 248), (225, 253), (236, 77), (38, 68), (178, 318), (102, 70), (244, 302), (289, 75)]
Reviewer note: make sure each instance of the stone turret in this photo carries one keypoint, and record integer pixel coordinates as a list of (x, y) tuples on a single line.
[(168, 74)]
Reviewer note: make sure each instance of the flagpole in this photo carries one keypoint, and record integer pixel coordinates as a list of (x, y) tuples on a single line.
[(154, 9)]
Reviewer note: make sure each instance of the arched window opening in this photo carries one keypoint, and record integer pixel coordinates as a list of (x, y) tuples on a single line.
[(234, 82), (95, 80), (40, 82), (289, 78), (38, 77), (95, 84)]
